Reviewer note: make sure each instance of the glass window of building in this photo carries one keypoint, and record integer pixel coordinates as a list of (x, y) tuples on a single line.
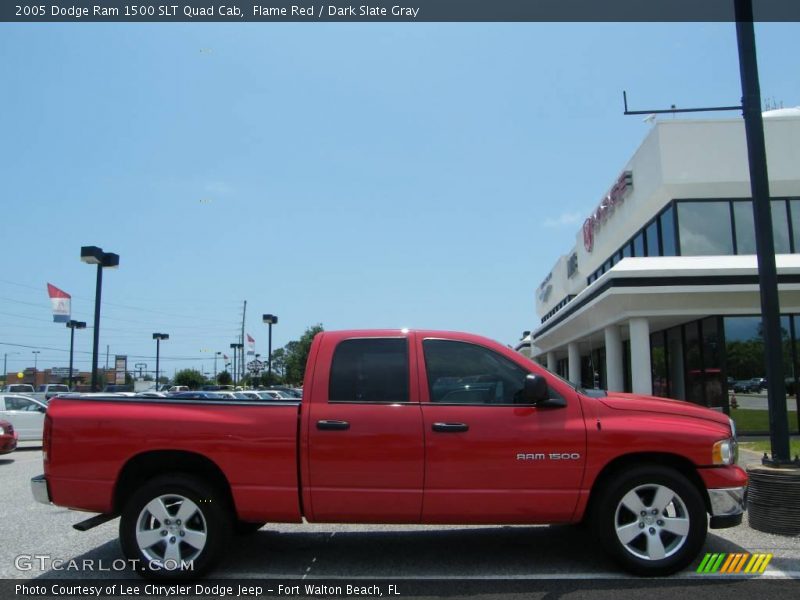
[(668, 246), (794, 207), (638, 244), (780, 227), (626, 249), (714, 390), (745, 230), (651, 235), (694, 364), (705, 228), (658, 362)]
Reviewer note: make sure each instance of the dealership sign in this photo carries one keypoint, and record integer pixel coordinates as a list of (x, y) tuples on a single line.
[(614, 198)]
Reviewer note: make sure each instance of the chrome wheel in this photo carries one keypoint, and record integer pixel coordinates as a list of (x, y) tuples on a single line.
[(171, 529), (652, 522)]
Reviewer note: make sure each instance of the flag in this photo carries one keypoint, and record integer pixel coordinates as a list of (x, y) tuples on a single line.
[(251, 345), (60, 301)]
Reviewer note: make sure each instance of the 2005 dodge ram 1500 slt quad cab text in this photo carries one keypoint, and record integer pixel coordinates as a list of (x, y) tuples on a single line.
[(397, 426)]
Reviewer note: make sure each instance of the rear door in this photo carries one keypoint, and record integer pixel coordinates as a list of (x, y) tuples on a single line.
[(491, 458), (364, 446), (26, 415)]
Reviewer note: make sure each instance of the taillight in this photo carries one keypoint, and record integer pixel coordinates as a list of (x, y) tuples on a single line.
[(46, 438)]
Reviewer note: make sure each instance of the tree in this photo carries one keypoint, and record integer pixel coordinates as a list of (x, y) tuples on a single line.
[(224, 378), (190, 377), (297, 354)]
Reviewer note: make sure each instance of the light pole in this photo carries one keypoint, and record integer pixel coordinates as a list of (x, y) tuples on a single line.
[(158, 337), (35, 365), (5, 366), (73, 325), (92, 255), (270, 320), (216, 354), (234, 347)]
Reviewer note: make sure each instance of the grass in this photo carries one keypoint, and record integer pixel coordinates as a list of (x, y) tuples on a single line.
[(763, 446), (750, 420)]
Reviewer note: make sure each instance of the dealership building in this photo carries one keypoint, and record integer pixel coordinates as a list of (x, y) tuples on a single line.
[(659, 295)]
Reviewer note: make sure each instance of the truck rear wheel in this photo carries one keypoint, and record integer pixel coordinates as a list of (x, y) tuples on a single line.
[(651, 519), (174, 526)]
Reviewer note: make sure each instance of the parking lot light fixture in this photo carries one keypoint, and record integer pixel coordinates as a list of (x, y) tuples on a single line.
[(270, 320), (35, 364), (72, 326), (158, 337), (92, 255)]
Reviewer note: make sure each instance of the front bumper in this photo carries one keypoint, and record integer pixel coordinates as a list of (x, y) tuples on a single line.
[(727, 506), (39, 489)]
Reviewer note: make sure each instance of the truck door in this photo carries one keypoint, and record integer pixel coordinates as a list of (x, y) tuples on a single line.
[(365, 454), (490, 458)]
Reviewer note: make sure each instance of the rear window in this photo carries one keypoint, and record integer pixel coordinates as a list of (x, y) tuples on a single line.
[(370, 370)]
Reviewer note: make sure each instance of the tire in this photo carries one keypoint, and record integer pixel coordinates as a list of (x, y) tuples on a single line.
[(165, 546), (670, 533), (246, 527)]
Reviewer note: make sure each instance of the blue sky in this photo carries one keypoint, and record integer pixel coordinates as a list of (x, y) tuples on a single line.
[(355, 175)]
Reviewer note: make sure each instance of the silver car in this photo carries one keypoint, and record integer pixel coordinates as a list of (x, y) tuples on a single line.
[(25, 414)]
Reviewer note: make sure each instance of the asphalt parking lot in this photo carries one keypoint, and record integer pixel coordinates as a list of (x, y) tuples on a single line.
[(36, 534)]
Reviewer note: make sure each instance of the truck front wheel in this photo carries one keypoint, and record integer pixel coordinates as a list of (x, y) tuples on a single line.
[(173, 527), (651, 519)]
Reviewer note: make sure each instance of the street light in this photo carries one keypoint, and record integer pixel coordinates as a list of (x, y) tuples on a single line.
[(158, 337), (234, 347), (35, 364), (92, 255), (73, 325), (270, 320), (5, 365)]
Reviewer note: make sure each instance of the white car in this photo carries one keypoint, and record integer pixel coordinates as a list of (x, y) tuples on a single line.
[(25, 414)]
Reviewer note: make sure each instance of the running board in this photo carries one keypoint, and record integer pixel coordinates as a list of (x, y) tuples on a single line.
[(93, 522)]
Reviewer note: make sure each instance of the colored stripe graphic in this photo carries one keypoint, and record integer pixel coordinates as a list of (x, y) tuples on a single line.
[(733, 563)]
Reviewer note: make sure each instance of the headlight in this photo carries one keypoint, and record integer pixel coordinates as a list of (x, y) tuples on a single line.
[(725, 452), (2, 430)]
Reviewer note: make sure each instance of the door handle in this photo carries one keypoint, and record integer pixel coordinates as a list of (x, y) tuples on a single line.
[(333, 425), (450, 427)]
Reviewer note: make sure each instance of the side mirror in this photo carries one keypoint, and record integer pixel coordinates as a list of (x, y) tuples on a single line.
[(535, 390)]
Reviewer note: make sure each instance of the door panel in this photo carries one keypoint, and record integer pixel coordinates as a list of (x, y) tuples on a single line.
[(365, 453), (491, 458)]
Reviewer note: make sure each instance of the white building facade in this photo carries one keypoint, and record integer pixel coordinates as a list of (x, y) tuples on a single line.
[(659, 295)]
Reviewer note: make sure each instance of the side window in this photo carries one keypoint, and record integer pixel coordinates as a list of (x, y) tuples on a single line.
[(370, 370), (18, 403), (462, 373)]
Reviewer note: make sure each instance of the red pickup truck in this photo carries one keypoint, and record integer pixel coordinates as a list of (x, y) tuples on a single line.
[(397, 427)]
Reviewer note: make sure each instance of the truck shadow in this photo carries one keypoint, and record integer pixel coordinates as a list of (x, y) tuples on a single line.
[(422, 554)]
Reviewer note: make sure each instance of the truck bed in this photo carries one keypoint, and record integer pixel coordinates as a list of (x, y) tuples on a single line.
[(252, 444)]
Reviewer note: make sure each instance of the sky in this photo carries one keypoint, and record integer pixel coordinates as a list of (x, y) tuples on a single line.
[(357, 175)]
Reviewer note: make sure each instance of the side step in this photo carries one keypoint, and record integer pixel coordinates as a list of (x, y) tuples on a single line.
[(93, 522)]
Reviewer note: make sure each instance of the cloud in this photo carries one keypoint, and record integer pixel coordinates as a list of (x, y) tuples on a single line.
[(564, 219)]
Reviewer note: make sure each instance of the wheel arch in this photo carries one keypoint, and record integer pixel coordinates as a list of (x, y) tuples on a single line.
[(663, 459), (147, 465)]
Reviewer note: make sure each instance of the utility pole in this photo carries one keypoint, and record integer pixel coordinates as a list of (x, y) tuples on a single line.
[(765, 243)]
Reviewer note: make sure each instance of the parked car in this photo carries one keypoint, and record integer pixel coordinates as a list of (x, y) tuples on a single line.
[(26, 414), (744, 386), (758, 383), (19, 388), (379, 439), (8, 437), (52, 389)]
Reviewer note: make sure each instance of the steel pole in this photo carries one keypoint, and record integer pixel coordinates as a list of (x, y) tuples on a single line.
[(269, 353), (71, 348), (96, 341), (762, 216), (158, 356)]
